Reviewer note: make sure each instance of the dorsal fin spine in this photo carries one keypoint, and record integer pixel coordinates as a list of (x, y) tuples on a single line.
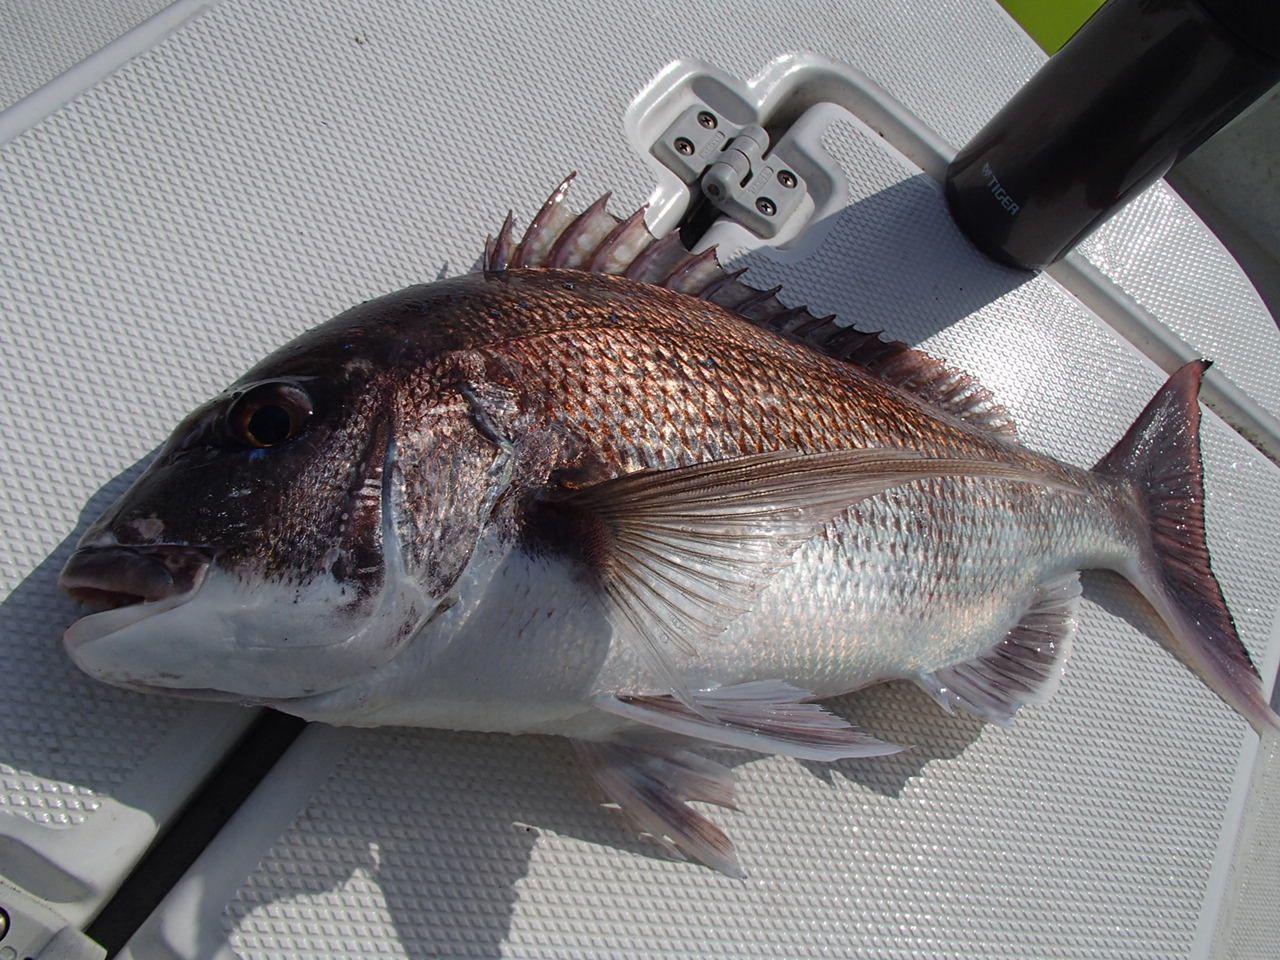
[(558, 239), (688, 265), (562, 251), (498, 252), (615, 239), (650, 255), (719, 283)]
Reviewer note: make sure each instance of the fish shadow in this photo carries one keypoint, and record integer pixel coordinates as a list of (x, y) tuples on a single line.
[(900, 713), (435, 831), (45, 702), (894, 260), (421, 839)]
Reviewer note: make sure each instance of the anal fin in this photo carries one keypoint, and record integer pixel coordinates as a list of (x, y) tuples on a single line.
[(652, 781), (768, 716), (1024, 667)]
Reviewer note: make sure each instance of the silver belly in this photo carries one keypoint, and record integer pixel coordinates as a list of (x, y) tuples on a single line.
[(894, 587)]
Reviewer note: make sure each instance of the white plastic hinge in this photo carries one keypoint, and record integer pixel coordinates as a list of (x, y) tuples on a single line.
[(32, 930), (731, 165)]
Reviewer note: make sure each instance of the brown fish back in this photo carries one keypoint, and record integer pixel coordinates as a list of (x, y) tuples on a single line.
[(650, 378), (596, 241)]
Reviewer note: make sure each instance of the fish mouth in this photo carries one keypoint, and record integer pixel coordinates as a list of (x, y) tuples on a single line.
[(108, 577), (173, 621), (128, 584)]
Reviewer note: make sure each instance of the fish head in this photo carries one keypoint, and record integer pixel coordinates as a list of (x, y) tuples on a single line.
[(259, 556)]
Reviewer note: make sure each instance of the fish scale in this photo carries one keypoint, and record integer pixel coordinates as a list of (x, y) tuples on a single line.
[(760, 393), (873, 601), (609, 491), (686, 411)]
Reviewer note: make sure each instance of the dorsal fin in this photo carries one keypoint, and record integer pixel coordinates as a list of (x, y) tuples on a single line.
[(597, 241), (923, 374)]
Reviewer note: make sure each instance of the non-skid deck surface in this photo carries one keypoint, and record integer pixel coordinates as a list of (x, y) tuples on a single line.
[(274, 162)]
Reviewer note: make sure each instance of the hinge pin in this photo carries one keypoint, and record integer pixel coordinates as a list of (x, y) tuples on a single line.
[(729, 164)]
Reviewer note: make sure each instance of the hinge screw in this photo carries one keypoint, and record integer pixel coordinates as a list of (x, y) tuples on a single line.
[(787, 178), (684, 147), (707, 119), (765, 206)]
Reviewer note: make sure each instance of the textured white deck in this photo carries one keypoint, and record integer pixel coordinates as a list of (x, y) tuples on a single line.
[(272, 163), (42, 39)]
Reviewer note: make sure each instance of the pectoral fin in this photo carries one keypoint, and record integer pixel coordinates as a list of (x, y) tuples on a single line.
[(681, 553)]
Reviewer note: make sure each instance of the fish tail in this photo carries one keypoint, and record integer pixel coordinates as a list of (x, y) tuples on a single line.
[(1160, 457)]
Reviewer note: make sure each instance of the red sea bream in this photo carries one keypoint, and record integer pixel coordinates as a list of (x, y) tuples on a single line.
[(604, 489)]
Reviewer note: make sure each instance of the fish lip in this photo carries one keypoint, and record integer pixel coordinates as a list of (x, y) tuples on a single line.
[(88, 577), (96, 626), (180, 646), (116, 575)]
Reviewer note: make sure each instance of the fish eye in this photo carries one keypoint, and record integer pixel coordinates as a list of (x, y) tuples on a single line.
[(269, 414)]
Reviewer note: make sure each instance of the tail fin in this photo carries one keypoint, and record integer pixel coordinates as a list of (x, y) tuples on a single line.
[(1160, 455)]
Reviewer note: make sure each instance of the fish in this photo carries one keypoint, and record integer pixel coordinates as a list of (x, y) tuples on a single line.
[(604, 488)]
